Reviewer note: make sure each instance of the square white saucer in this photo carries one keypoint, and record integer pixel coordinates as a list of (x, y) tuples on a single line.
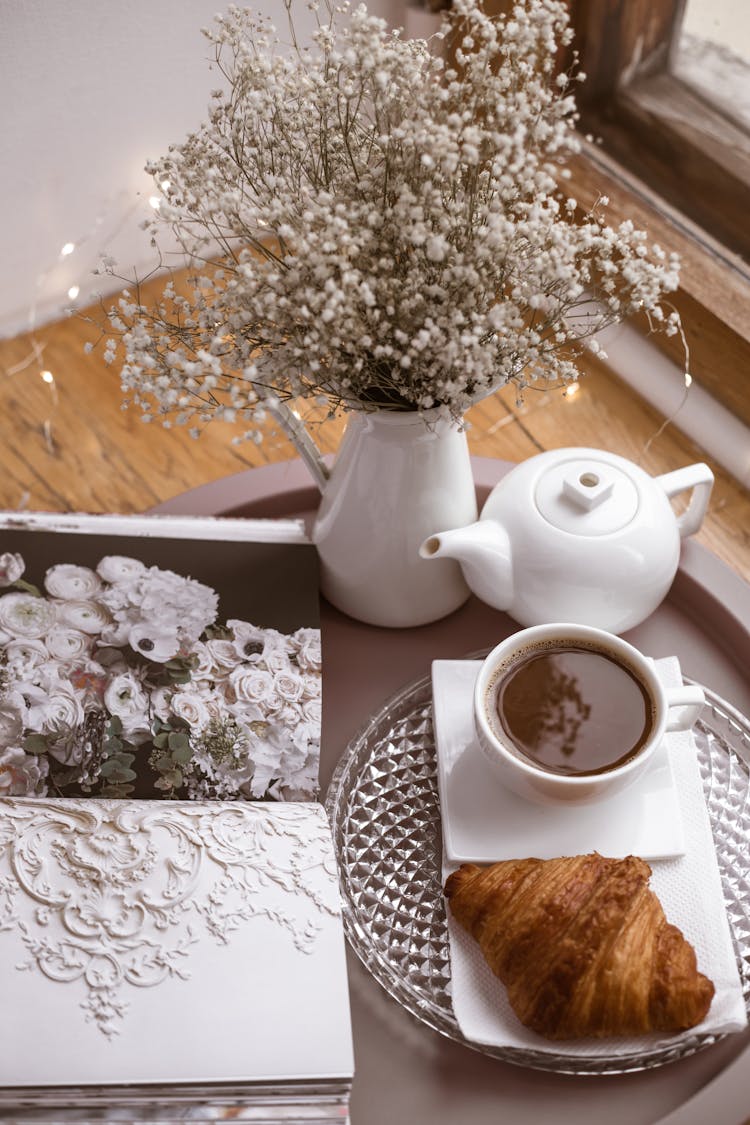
[(484, 822)]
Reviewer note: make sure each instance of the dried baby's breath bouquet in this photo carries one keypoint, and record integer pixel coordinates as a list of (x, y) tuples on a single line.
[(377, 228)]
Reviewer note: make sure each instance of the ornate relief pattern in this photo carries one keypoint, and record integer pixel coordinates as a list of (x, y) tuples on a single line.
[(123, 889)]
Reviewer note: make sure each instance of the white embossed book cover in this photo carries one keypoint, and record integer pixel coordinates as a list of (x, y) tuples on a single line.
[(170, 943), (170, 930)]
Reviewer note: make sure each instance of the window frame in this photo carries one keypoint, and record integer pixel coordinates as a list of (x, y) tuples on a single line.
[(679, 169), (655, 124)]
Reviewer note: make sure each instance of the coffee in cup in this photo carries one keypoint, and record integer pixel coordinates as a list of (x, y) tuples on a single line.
[(569, 712)]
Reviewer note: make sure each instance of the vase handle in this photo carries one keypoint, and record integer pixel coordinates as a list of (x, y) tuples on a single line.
[(294, 427)]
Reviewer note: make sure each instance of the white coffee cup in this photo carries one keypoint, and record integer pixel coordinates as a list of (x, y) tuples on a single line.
[(672, 709)]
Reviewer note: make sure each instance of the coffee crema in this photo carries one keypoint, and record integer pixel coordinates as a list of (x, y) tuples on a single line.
[(571, 709)]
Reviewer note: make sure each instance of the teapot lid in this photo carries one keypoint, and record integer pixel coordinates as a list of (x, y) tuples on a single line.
[(587, 496)]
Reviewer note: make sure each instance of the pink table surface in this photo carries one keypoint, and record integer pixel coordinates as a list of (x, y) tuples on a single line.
[(404, 1071)]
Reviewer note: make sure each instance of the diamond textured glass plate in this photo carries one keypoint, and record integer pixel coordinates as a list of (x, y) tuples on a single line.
[(384, 810)]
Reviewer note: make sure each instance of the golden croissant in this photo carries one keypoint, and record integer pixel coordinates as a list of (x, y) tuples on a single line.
[(582, 945)]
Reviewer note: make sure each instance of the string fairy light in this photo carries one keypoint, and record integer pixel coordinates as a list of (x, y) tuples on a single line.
[(522, 411), (688, 381)]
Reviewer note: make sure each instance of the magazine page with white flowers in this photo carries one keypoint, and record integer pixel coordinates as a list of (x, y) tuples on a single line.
[(170, 924), (141, 659)]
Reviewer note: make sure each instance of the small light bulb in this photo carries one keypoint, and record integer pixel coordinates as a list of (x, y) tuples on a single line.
[(573, 389), (164, 185), (155, 202), (68, 248), (688, 379), (73, 292), (47, 376)]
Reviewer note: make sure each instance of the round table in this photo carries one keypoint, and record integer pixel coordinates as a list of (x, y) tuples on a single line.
[(404, 1071)]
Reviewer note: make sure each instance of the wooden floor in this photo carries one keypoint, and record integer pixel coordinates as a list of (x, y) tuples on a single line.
[(68, 445)]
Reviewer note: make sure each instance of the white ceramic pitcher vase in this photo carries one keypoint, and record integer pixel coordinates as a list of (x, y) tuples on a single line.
[(395, 479)]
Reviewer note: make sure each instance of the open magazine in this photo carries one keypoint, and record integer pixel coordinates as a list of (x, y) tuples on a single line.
[(170, 932)]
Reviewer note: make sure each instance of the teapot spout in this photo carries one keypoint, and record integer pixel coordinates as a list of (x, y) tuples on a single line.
[(483, 551)]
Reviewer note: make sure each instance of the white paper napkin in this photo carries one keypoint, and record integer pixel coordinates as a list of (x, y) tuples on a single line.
[(689, 888)]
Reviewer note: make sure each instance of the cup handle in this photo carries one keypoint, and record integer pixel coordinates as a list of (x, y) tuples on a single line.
[(689, 701)]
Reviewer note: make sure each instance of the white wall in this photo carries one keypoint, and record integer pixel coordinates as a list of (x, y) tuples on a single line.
[(724, 22), (89, 90)]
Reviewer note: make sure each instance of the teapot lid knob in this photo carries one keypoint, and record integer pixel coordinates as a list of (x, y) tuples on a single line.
[(587, 496)]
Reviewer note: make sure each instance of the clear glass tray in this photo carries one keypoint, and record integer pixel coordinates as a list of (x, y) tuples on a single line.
[(384, 811)]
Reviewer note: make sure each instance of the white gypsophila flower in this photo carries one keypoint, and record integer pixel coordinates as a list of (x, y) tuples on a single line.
[(71, 582), (378, 249), (85, 616), (67, 644), (120, 568), (126, 698), (156, 642), (23, 615), (22, 774), (12, 567)]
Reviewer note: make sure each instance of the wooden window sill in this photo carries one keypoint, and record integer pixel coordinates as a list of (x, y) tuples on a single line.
[(714, 294)]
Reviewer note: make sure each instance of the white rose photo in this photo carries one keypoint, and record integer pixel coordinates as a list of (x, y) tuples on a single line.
[(176, 671)]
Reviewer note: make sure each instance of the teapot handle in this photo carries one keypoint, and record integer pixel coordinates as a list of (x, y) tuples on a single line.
[(698, 477)]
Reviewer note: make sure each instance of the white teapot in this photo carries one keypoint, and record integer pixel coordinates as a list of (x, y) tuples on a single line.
[(578, 535)]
